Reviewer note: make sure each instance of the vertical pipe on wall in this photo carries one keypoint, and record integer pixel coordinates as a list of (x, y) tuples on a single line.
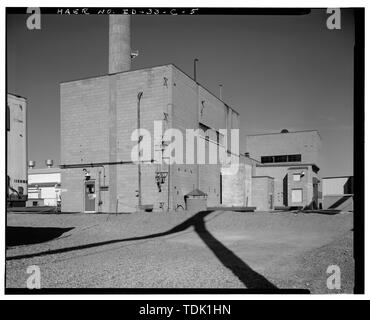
[(119, 43)]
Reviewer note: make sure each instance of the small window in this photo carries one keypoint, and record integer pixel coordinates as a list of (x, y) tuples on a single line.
[(280, 158), (90, 188), (267, 159), (208, 130), (297, 195), (296, 177), (20, 190), (220, 138)]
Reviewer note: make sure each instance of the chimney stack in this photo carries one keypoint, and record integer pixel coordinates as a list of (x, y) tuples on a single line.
[(31, 164), (49, 163), (119, 43)]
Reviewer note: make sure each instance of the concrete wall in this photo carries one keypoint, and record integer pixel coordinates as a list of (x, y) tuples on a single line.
[(98, 116), (17, 143), (278, 173), (284, 183), (263, 193), (85, 123), (306, 143), (338, 202), (337, 185), (52, 177), (237, 188), (193, 104)]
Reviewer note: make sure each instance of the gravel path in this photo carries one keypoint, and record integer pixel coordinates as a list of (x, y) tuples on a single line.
[(216, 250)]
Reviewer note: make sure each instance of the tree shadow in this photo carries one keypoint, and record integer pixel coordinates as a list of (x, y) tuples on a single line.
[(17, 236), (250, 278)]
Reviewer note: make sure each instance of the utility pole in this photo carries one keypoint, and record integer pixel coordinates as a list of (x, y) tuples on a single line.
[(195, 69)]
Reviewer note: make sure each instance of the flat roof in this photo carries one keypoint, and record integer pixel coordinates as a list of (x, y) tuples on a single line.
[(282, 133), (44, 170), (159, 66), (263, 177), (17, 96)]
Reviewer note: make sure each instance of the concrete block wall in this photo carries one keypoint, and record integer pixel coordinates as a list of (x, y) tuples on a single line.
[(193, 104), (17, 142), (302, 184), (338, 202), (155, 85), (337, 185), (98, 116), (72, 190), (84, 136), (184, 116)]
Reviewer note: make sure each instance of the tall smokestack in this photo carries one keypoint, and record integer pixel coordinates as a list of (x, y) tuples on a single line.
[(119, 43)]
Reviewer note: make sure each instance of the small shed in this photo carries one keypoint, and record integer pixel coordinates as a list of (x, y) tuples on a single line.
[(196, 200)]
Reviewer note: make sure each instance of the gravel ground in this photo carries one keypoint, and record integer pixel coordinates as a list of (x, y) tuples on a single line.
[(215, 250)]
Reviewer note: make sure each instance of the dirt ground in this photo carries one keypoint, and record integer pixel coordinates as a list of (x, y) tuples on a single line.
[(215, 249)]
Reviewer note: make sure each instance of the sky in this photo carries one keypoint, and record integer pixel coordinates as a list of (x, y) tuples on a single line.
[(277, 71)]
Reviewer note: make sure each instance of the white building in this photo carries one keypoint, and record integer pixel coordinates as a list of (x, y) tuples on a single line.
[(338, 193), (16, 128), (44, 187)]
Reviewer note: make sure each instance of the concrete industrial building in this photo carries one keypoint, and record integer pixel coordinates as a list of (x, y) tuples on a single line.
[(98, 117), (16, 128), (100, 114), (287, 171), (338, 193)]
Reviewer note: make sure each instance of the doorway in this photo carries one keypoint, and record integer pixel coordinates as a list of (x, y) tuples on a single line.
[(90, 196)]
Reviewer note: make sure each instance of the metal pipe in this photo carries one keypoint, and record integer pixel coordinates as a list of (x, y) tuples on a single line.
[(195, 69), (119, 43), (98, 164), (99, 199), (140, 94), (169, 187)]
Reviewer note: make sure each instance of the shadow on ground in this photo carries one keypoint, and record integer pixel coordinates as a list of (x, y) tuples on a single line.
[(17, 236), (250, 278)]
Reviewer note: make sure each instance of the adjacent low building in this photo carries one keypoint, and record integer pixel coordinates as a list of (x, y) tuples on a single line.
[(44, 188), (98, 118)]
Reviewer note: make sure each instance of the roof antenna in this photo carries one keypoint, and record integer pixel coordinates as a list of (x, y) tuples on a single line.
[(195, 69)]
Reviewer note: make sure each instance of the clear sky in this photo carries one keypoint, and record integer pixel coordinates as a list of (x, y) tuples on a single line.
[(277, 71)]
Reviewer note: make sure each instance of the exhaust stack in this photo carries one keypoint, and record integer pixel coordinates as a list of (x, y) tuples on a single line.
[(119, 43)]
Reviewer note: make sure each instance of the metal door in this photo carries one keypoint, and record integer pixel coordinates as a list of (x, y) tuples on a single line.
[(90, 196)]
